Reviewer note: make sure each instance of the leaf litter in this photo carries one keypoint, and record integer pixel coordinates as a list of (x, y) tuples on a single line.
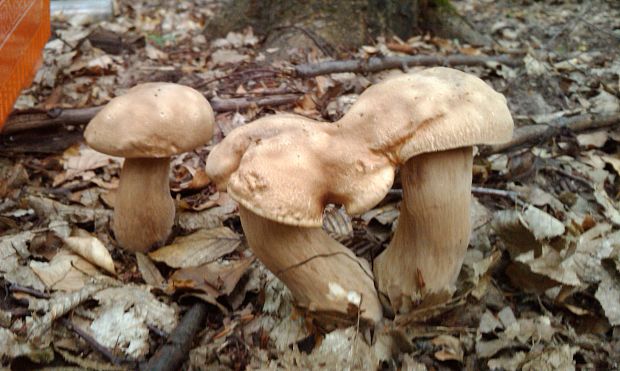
[(540, 285)]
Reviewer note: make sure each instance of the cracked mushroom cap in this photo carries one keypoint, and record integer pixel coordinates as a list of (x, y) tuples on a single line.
[(431, 110), (152, 120), (288, 168)]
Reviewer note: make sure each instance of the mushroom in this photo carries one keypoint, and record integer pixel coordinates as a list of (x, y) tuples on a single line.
[(147, 125), (283, 170), (427, 123)]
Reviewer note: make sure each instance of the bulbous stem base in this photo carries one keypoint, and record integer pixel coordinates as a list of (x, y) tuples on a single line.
[(144, 210), (325, 277), (421, 264)]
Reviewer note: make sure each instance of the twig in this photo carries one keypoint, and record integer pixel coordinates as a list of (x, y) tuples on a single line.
[(28, 290), (376, 64), (579, 179), (107, 353), (253, 73), (80, 116), (533, 134), (235, 104), (53, 117), (173, 353), (514, 196)]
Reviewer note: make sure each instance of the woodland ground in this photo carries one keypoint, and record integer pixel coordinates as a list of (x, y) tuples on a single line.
[(540, 287)]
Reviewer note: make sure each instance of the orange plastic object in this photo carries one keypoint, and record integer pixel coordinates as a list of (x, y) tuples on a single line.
[(24, 30)]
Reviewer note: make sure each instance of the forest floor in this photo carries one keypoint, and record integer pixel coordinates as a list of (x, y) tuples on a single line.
[(540, 286)]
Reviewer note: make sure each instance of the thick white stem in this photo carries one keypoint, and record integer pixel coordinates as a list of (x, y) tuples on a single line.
[(144, 210), (423, 260), (324, 276)]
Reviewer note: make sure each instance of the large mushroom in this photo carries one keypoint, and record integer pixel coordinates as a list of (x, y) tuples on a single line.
[(283, 170), (147, 125), (427, 123)]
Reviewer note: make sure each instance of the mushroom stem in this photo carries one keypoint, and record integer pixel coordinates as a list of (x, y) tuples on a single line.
[(324, 276), (144, 210), (423, 260)]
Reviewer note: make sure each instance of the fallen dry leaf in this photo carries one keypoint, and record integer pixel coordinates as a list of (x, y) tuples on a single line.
[(608, 294), (216, 278), (91, 249), (525, 231), (552, 264), (451, 349), (553, 358), (122, 319), (226, 56), (595, 139), (86, 158), (12, 347), (66, 271), (198, 248), (150, 273)]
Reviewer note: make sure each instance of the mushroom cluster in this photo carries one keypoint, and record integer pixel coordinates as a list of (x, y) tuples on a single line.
[(148, 125), (285, 169)]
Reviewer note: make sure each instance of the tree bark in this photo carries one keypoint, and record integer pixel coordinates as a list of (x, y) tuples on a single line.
[(335, 26)]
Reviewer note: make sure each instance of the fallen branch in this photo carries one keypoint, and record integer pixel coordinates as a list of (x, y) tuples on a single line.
[(514, 196), (28, 290), (234, 104), (107, 353), (80, 116), (173, 353), (376, 64), (54, 117), (535, 134)]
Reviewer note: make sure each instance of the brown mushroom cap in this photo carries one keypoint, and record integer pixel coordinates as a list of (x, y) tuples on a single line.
[(432, 110), (287, 168), (152, 120)]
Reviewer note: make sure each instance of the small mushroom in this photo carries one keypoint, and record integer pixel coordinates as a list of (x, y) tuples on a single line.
[(427, 123), (147, 125), (283, 170)]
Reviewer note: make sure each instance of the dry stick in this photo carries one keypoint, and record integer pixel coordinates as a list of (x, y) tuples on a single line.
[(173, 353), (107, 353), (376, 64), (79, 116), (29, 290), (514, 196), (534, 134), (53, 117)]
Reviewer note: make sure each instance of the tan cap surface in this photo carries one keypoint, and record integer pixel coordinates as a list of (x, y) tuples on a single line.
[(427, 111), (152, 120), (288, 168)]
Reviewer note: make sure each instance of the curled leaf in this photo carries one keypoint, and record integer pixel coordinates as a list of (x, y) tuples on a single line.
[(91, 249)]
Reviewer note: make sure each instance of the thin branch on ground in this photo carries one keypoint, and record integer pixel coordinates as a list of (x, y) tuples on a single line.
[(175, 351), (535, 134), (28, 290), (376, 64), (80, 116), (107, 353), (514, 196)]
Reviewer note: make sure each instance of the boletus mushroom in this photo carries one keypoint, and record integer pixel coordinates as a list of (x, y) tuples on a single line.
[(147, 125), (427, 123), (283, 170)]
